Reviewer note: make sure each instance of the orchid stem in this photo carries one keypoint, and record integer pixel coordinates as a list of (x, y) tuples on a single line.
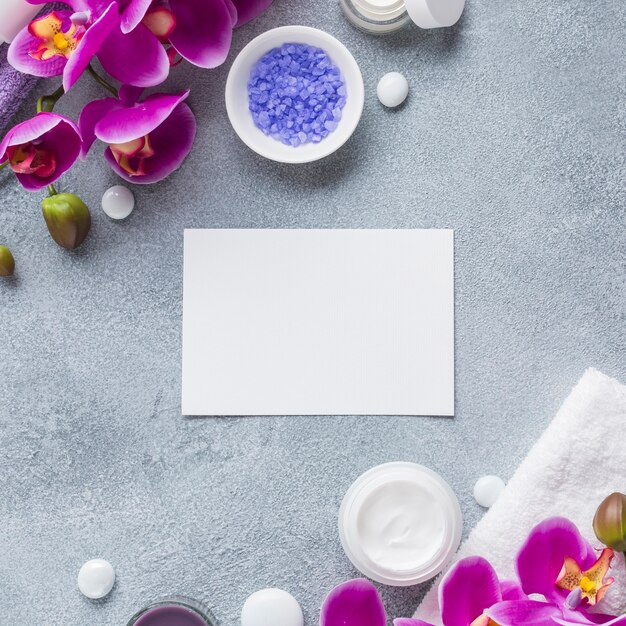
[(102, 81), (52, 190), (47, 103), (3, 165)]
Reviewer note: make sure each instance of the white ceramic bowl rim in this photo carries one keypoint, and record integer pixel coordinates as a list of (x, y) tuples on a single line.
[(237, 94), (447, 500)]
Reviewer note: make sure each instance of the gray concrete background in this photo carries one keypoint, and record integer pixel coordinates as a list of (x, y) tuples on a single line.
[(514, 135)]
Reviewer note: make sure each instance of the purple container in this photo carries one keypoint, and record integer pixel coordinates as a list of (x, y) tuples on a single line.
[(178, 611)]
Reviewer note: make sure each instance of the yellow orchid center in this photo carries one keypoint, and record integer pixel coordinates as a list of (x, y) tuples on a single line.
[(132, 155), (590, 584), (55, 36)]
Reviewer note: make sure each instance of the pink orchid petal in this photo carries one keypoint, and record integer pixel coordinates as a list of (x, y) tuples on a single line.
[(232, 9), (249, 9), (90, 116), (620, 620), (171, 142), (353, 603), (524, 613), (89, 45), (203, 31), (19, 57), (128, 123), (133, 13), (541, 558), (470, 587), (511, 590), (137, 58)]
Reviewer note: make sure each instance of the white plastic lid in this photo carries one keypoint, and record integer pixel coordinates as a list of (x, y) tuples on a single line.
[(435, 13)]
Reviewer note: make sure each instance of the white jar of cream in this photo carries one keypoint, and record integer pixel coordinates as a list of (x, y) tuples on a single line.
[(386, 16), (400, 523)]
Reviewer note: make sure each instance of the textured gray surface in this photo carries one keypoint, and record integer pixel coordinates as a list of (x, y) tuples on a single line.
[(514, 135)]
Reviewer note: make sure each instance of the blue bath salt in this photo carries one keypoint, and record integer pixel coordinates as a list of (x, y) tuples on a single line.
[(296, 94)]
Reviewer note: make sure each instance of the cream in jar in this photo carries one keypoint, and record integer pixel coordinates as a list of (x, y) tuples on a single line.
[(400, 523)]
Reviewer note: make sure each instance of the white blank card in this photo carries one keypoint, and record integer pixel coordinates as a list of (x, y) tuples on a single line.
[(318, 322)]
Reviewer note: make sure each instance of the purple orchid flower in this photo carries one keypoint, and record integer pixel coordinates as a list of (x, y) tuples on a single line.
[(199, 30), (41, 149), (65, 42), (467, 591), (471, 594), (146, 140)]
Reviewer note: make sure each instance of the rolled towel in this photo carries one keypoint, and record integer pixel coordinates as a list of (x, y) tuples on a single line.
[(578, 461)]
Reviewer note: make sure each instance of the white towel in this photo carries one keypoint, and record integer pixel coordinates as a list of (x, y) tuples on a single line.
[(578, 461)]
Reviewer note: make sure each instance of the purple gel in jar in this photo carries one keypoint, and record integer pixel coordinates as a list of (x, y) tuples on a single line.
[(183, 612), (296, 94)]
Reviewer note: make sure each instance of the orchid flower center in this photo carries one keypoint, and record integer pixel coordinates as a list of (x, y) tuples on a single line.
[(55, 36), (590, 584), (30, 159), (132, 155)]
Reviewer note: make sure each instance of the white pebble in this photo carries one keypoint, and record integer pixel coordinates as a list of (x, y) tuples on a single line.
[(96, 578), (392, 90), (118, 202), (488, 489), (271, 607)]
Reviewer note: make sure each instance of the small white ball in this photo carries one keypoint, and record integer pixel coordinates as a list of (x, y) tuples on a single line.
[(392, 90), (488, 489), (118, 202), (271, 607), (96, 578)]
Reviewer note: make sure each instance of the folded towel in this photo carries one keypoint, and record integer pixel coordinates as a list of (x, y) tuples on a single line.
[(578, 461), (14, 88)]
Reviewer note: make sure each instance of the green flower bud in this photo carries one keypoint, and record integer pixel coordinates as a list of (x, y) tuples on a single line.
[(68, 219), (609, 523), (7, 262)]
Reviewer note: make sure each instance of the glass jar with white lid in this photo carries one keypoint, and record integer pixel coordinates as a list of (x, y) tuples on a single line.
[(386, 16)]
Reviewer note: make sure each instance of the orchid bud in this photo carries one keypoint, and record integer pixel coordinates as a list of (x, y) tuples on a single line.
[(609, 522), (68, 219), (7, 262)]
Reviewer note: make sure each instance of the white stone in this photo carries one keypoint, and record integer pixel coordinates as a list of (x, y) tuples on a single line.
[(118, 202), (271, 607), (392, 90), (96, 578), (488, 489)]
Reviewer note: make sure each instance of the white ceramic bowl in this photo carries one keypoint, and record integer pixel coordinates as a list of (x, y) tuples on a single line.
[(237, 95)]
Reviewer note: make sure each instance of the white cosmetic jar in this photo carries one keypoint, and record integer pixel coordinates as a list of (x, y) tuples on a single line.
[(385, 16), (400, 524)]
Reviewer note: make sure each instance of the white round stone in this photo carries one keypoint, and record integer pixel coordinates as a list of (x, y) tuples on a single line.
[(96, 578), (271, 607), (488, 489), (118, 202), (392, 90)]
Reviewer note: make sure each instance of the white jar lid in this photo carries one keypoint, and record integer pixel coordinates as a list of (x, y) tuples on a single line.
[(400, 524), (435, 13)]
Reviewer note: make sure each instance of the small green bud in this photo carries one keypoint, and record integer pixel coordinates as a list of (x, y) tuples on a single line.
[(7, 262), (609, 522), (68, 219)]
